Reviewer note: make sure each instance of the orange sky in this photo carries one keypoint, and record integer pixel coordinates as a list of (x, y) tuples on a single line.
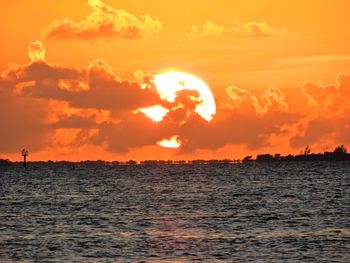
[(278, 71)]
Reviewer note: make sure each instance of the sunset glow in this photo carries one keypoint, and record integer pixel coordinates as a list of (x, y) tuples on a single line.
[(102, 79), (175, 131), (155, 113), (173, 142), (169, 83)]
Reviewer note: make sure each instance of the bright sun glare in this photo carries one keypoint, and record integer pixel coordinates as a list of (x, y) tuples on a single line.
[(173, 142), (155, 113), (169, 83)]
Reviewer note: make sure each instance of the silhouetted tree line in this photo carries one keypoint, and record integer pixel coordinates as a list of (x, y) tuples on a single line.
[(4, 162), (339, 154)]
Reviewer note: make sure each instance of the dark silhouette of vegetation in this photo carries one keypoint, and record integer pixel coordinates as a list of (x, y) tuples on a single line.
[(339, 154), (264, 158), (4, 162), (248, 159)]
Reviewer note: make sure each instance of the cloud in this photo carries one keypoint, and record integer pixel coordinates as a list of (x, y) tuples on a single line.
[(94, 87), (235, 128), (73, 137), (251, 122), (271, 98), (45, 106), (329, 99), (207, 29), (274, 98), (344, 84), (104, 23), (22, 120), (93, 106), (238, 29), (316, 129), (331, 110), (248, 120), (255, 29), (36, 51), (37, 99)]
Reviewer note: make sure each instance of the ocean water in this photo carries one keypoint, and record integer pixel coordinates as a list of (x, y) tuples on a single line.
[(279, 212)]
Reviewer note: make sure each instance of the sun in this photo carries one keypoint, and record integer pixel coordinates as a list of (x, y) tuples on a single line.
[(170, 83), (169, 86), (155, 113), (173, 142)]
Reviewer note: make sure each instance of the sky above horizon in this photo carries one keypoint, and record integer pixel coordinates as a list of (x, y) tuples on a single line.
[(82, 79)]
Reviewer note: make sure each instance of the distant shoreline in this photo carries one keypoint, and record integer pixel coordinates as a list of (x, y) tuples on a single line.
[(339, 154)]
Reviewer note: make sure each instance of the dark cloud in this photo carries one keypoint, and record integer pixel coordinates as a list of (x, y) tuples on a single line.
[(235, 127), (95, 87), (42, 105), (315, 130), (28, 90), (22, 122)]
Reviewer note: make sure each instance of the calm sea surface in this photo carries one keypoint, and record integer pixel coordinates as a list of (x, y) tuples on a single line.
[(291, 212)]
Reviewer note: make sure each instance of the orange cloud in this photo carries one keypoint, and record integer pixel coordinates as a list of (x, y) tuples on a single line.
[(43, 106), (330, 99), (22, 119), (271, 98), (238, 29), (207, 29), (94, 87), (104, 23), (72, 137), (36, 51), (44, 99), (331, 110)]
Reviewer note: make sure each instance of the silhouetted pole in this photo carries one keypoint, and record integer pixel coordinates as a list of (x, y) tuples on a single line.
[(24, 154)]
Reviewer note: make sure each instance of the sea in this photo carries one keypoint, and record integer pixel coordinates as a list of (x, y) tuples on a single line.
[(252, 212)]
